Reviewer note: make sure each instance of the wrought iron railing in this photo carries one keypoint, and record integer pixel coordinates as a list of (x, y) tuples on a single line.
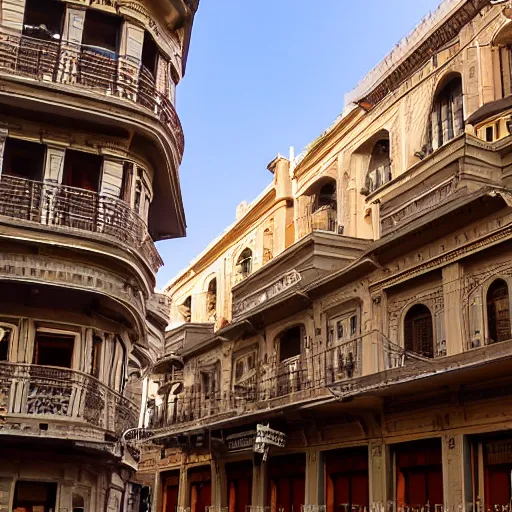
[(272, 382), (48, 392), (88, 67), (66, 207), (322, 219)]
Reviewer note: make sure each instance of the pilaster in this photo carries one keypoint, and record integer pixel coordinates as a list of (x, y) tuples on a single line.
[(259, 482), (378, 469), (183, 492), (452, 278), (456, 473), (314, 478), (219, 491)]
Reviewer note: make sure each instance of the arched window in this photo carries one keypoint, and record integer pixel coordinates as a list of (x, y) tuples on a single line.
[(379, 170), (326, 196), (290, 343), (78, 503), (185, 309), (447, 118), (211, 301), (498, 311), (418, 331), (244, 265)]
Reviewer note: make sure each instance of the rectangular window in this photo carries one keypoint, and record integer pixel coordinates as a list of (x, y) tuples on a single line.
[(5, 341), (101, 33), (82, 170), (54, 349), (35, 497), (149, 53), (43, 19), (23, 159), (343, 327), (96, 356)]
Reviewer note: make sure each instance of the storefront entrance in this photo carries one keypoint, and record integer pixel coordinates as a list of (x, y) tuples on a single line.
[(239, 480), (200, 488), (287, 481), (171, 486), (346, 483), (34, 497), (497, 456), (419, 473)]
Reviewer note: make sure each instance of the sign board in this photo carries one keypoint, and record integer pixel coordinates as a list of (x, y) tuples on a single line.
[(265, 437), (241, 441), (245, 304), (499, 452)]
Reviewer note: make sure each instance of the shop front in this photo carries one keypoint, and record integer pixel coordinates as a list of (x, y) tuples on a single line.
[(200, 480), (287, 482), (239, 485)]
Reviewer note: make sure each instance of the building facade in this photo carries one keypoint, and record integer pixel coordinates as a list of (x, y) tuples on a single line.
[(360, 306), (90, 144)]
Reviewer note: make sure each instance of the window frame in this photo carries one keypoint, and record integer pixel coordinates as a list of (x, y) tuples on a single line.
[(59, 332)]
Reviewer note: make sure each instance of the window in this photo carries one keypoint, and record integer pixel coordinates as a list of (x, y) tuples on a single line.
[(185, 309), (498, 311), (245, 366), (379, 170), (5, 341), (244, 265), (418, 331), (127, 183), (78, 503), (101, 32), (447, 118), (54, 349), (43, 19), (97, 344), (211, 301), (23, 159), (149, 53), (82, 170), (343, 327), (35, 496), (290, 343), (326, 196)]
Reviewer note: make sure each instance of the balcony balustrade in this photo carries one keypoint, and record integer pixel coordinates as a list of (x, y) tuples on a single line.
[(92, 68), (49, 393), (322, 219), (64, 207), (274, 382)]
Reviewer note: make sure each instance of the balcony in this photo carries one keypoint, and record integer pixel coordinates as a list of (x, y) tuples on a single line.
[(101, 72), (460, 172), (66, 208), (46, 394), (323, 219), (317, 255), (274, 385)]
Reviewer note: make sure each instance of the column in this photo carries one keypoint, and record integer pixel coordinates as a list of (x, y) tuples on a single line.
[(456, 473), (219, 492), (314, 478), (259, 482), (157, 493), (183, 492), (378, 470), (452, 281)]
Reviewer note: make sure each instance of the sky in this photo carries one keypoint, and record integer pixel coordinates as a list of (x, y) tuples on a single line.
[(264, 75)]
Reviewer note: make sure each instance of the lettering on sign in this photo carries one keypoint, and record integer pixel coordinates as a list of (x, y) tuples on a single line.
[(241, 441), (265, 437), (289, 280)]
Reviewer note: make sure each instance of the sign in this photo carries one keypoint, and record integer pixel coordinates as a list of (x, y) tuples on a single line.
[(241, 441), (265, 436), (289, 280)]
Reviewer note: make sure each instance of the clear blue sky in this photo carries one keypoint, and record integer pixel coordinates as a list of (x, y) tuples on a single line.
[(263, 75)]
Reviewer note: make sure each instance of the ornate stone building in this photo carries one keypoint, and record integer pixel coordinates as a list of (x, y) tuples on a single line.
[(90, 145), (360, 306)]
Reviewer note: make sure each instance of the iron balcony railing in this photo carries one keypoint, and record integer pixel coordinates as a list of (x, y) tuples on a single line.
[(47, 392), (272, 382), (95, 69), (66, 207), (275, 383)]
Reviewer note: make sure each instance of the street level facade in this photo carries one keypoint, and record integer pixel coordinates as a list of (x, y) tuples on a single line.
[(346, 344), (90, 145)]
